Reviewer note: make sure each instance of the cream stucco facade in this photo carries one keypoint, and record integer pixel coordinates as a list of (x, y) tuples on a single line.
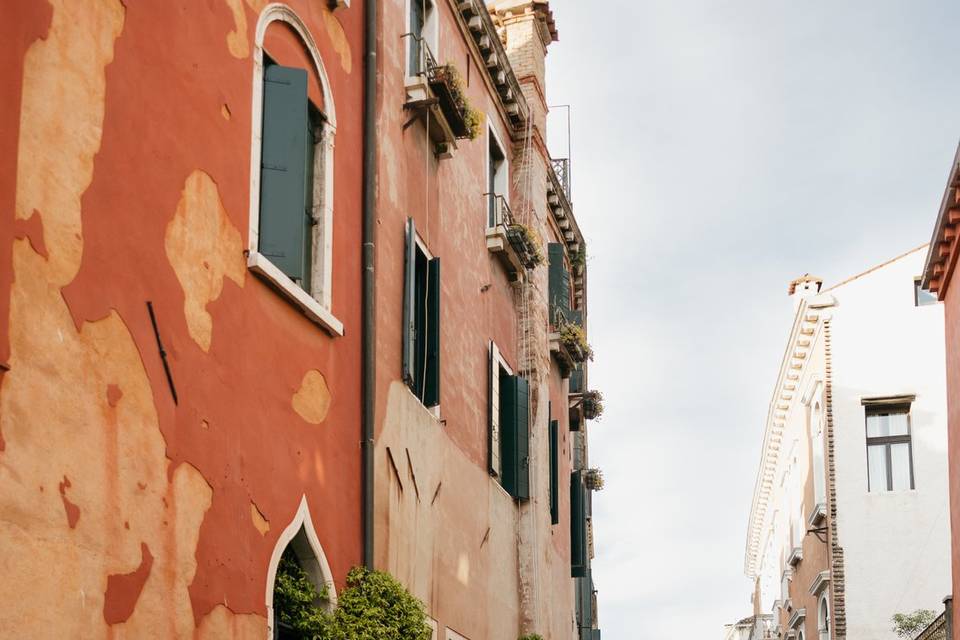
[(849, 521)]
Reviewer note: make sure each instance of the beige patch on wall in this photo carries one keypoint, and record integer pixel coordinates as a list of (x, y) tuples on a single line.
[(312, 399), (338, 38), (55, 416), (259, 521), (223, 623), (237, 42), (203, 247)]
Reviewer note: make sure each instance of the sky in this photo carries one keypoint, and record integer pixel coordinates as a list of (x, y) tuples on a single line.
[(720, 149)]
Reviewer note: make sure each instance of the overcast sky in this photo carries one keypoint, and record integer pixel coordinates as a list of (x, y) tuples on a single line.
[(720, 149)]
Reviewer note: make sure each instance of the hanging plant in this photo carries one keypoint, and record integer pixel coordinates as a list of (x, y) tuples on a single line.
[(593, 479), (574, 340), (579, 259), (526, 243), (531, 636), (447, 84), (592, 405)]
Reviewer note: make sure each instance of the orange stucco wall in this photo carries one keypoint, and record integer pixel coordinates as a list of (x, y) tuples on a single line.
[(951, 309), (125, 179)]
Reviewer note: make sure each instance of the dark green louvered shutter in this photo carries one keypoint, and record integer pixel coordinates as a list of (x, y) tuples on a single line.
[(515, 436), (554, 471), (578, 526), (559, 281), (431, 392), (284, 216), (523, 439), (409, 305), (576, 379), (585, 617)]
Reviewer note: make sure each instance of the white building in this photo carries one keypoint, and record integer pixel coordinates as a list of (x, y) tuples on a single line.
[(850, 522)]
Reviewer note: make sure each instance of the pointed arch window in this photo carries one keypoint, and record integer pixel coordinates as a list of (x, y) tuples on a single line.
[(291, 167)]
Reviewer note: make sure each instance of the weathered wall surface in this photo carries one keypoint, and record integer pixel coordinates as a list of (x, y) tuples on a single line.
[(951, 310), (485, 566), (139, 516)]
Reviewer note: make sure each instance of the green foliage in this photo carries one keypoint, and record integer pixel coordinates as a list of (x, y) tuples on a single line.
[(472, 118), (575, 340), (909, 625), (295, 599), (531, 636), (374, 606)]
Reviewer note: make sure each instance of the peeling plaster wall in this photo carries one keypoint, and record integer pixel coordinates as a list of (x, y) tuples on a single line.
[(126, 180), (485, 566)]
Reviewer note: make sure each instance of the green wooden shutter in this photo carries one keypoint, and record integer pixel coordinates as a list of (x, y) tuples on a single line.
[(576, 379), (554, 472), (523, 439), (283, 208), (508, 434), (515, 437), (409, 306), (559, 281), (431, 394), (578, 526)]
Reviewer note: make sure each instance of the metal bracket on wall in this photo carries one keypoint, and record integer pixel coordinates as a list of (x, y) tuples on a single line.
[(820, 532)]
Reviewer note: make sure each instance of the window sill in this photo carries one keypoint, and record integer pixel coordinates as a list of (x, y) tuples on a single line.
[(261, 265), (499, 245), (818, 515)]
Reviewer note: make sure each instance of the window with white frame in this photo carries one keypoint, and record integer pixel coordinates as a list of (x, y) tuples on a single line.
[(291, 191), (497, 179), (422, 35), (889, 447), (823, 618), (817, 448)]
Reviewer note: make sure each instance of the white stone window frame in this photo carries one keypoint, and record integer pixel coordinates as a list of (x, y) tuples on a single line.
[(494, 136), (316, 304), (499, 363), (814, 401), (431, 35), (317, 567), (823, 621)]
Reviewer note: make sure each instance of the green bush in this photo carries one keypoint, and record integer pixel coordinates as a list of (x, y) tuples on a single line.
[(374, 606)]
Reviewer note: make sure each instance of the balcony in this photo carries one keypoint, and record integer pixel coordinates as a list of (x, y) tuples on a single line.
[(435, 92), (514, 243), (568, 342)]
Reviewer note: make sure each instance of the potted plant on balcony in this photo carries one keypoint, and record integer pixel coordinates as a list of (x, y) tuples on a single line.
[(574, 341), (526, 243), (447, 86), (592, 404), (593, 479)]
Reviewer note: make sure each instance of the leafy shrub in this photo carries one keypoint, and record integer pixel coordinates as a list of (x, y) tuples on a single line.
[(374, 606)]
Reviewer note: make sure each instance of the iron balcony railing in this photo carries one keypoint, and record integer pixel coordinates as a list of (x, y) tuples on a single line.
[(499, 212), (421, 61), (561, 167), (936, 630)]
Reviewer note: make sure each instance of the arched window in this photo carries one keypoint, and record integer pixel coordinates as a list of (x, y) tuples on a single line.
[(823, 618), (291, 166), (297, 560)]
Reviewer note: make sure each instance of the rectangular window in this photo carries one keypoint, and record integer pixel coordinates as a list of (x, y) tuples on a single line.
[(889, 447), (496, 371), (421, 321), (554, 472), (422, 30), (578, 526), (922, 297), (496, 178)]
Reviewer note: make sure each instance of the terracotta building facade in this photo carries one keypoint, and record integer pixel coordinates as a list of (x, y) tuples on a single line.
[(179, 312), (938, 273), (853, 468), (225, 332), (481, 499)]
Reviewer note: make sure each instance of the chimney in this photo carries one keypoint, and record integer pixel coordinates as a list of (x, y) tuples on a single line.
[(804, 287)]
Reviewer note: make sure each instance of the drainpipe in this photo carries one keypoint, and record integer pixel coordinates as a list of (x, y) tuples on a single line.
[(368, 297)]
